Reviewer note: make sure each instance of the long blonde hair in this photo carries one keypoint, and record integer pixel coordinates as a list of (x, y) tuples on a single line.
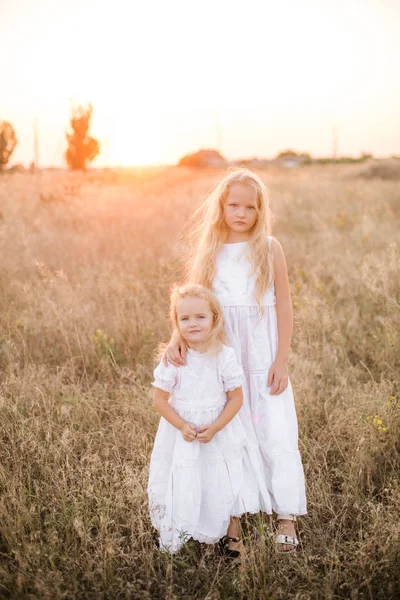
[(216, 338), (206, 231)]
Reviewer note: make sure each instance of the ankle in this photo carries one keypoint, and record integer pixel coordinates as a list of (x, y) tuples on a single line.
[(233, 529), (286, 522), (286, 525)]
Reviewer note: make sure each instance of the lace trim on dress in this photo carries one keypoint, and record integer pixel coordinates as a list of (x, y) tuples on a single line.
[(256, 372), (232, 383), (204, 539), (252, 510), (157, 511), (185, 536)]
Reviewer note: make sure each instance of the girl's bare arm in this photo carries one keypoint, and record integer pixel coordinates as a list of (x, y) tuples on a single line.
[(283, 307), (278, 376), (163, 407)]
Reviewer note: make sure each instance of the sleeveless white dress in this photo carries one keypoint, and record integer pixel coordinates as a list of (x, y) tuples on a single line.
[(270, 421), (194, 488)]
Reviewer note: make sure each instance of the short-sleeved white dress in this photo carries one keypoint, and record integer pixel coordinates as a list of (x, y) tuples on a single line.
[(270, 421), (195, 487)]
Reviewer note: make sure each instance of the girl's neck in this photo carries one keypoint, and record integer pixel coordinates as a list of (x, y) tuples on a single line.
[(234, 237), (201, 347)]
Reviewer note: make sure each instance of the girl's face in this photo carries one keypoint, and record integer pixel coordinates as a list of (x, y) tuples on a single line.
[(240, 208), (195, 319)]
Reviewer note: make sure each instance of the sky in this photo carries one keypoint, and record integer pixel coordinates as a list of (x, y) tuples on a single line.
[(169, 77)]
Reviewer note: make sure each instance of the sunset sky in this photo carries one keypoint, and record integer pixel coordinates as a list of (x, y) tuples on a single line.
[(279, 74)]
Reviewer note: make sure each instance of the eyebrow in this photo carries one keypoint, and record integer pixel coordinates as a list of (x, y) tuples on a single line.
[(237, 202), (197, 315)]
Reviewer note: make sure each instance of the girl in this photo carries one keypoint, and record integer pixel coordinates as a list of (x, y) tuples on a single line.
[(199, 465), (232, 253)]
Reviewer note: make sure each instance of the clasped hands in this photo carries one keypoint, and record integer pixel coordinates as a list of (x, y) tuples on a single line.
[(204, 434)]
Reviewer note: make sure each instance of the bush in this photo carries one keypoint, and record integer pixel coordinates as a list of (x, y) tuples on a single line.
[(8, 142)]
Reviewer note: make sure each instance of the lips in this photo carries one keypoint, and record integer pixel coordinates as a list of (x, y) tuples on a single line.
[(240, 222)]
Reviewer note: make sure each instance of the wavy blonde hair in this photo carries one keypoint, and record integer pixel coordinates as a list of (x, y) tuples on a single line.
[(206, 231), (216, 339)]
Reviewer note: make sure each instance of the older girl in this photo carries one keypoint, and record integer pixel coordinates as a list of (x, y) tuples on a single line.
[(232, 253)]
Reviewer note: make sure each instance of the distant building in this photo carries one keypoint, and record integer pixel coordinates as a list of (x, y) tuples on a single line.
[(252, 163), (290, 159), (288, 162), (203, 158), (287, 159)]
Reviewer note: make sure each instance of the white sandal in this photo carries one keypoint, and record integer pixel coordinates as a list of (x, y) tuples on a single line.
[(281, 538), (287, 539)]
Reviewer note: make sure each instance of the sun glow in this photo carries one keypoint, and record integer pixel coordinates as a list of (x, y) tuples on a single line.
[(278, 74), (130, 143)]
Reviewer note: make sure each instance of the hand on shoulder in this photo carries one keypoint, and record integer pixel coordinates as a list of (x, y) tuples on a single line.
[(175, 352)]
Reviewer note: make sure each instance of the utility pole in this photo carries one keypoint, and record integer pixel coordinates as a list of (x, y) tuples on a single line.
[(335, 137), (218, 134), (35, 144)]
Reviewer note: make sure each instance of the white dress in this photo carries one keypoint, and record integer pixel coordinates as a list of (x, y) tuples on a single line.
[(195, 487), (270, 421)]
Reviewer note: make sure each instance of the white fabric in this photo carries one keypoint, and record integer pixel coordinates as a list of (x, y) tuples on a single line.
[(234, 282), (270, 421), (194, 488)]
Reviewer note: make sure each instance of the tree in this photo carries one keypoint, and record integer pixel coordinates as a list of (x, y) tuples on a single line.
[(81, 147), (286, 154), (8, 141), (292, 154)]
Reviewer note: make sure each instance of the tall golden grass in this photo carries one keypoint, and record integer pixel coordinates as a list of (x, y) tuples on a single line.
[(85, 270)]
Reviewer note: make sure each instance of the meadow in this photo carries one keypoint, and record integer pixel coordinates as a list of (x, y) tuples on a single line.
[(86, 264)]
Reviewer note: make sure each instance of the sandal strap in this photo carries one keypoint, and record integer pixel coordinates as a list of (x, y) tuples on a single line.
[(286, 539), (231, 539)]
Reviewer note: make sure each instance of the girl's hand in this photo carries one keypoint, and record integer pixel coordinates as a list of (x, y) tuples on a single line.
[(188, 431), (206, 433), (278, 376), (175, 352)]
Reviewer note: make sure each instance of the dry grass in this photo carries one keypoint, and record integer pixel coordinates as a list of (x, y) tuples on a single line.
[(382, 169), (86, 264)]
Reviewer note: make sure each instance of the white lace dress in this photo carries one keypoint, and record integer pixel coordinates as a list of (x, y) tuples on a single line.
[(270, 421), (195, 487)]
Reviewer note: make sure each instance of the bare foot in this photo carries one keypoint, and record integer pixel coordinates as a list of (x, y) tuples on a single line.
[(286, 527)]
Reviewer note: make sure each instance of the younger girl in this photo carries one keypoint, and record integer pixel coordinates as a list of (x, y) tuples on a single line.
[(199, 465), (233, 254)]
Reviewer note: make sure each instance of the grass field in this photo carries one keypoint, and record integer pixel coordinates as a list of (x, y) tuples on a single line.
[(86, 265)]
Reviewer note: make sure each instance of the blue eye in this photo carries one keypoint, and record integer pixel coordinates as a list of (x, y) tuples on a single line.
[(252, 207)]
